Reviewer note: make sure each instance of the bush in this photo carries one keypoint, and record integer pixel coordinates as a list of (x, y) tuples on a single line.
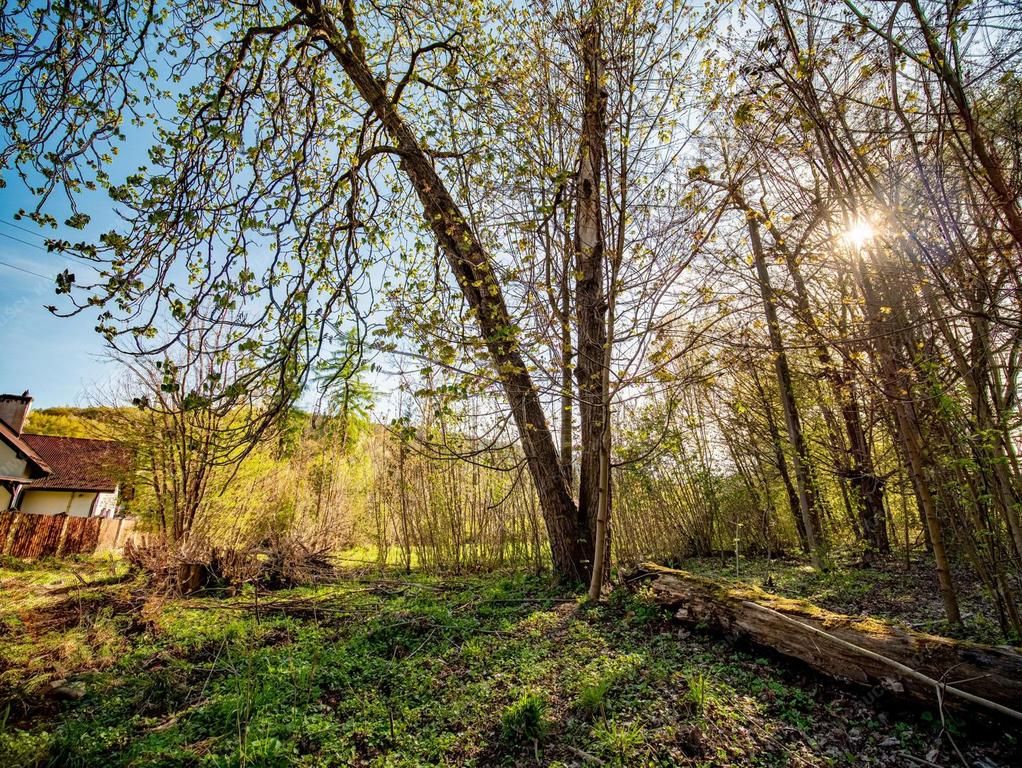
[(287, 561)]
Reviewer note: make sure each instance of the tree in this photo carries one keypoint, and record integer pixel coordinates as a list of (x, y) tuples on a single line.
[(191, 428), (303, 133), (273, 152)]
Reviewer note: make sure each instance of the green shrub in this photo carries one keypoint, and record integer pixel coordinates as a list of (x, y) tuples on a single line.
[(21, 749)]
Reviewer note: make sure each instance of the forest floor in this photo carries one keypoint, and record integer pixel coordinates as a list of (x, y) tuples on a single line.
[(492, 670), (886, 590)]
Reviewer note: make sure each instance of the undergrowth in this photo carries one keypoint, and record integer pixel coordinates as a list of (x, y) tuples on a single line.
[(407, 671)]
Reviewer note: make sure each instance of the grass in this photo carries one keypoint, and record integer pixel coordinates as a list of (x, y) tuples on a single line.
[(497, 670)]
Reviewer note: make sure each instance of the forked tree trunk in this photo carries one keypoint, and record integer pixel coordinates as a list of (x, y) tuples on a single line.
[(474, 270), (590, 301)]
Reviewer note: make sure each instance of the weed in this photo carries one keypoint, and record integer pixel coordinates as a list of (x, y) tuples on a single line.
[(591, 700), (698, 690), (525, 721), (620, 741)]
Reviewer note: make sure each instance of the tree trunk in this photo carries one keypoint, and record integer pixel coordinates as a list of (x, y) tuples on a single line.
[(590, 302), (898, 393), (803, 472), (862, 476), (843, 647), (474, 271), (403, 498), (567, 385), (782, 465)]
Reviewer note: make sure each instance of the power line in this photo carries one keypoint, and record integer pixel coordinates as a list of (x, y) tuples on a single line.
[(62, 255), (31, 245), (38, 247), (23, 242), (26, 271), (24, 229), (32, 232)]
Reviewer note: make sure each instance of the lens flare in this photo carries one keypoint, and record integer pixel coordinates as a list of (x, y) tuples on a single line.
[(859, 233)]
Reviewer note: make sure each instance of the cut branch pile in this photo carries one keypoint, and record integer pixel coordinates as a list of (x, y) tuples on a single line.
[(911, 665), (192, 567)]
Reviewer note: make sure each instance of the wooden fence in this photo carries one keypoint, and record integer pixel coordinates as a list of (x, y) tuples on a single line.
[(34, 536)]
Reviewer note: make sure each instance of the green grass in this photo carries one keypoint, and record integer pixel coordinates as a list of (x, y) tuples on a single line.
[(410, 671)]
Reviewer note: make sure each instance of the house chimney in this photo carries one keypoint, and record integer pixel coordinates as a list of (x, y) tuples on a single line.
[(14, 410)]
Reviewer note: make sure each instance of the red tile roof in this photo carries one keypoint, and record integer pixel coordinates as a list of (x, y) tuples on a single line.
[(78, 463), (18, 443)]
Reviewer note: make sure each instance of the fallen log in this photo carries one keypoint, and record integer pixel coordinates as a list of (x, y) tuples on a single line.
[(911, 665)]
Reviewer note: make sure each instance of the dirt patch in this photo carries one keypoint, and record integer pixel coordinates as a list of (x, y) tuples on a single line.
[(77, 611)]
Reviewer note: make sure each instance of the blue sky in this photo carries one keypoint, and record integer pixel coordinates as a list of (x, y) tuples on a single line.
[(59, 360)]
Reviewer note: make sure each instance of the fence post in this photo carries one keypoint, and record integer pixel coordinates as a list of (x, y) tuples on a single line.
[(12, 536), (10, 520), (63, 536)]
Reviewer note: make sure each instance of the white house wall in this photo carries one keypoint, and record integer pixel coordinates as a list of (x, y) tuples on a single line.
[(106, 504), (5, 499), (45, 502), (81, 503), (11, 465), (75, 504)]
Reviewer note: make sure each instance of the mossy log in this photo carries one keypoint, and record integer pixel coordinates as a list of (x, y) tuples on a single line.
[(911, 665)]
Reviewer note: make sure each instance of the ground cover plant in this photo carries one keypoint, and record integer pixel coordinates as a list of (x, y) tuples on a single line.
[(396, 670)]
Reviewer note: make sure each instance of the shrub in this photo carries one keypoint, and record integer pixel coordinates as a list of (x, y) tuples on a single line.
[(281, 562)]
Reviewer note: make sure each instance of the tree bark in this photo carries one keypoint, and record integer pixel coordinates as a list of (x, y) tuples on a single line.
[(843, 647), (590, 301)]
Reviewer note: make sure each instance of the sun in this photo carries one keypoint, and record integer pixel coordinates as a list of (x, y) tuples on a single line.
[(859, 233)]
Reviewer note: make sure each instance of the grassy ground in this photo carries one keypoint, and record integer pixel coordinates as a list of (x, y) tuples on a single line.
[(415, 671)]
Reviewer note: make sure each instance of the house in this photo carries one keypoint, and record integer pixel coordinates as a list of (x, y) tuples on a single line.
[(47, 475)]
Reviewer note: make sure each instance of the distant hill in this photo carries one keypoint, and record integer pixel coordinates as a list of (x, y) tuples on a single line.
[(74, 422)]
